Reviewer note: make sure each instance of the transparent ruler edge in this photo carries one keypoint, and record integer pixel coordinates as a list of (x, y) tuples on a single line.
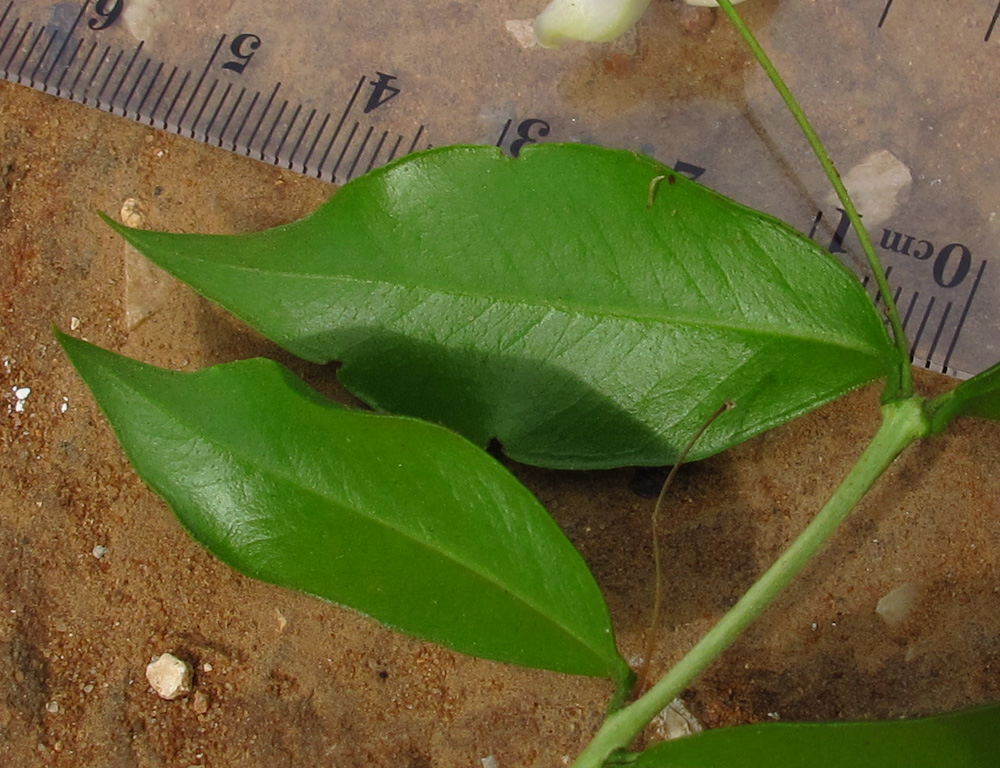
[(335, 146), (339, 146)]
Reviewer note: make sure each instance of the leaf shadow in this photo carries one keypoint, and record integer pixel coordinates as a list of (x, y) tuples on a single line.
[(708, 543), (532, 407)]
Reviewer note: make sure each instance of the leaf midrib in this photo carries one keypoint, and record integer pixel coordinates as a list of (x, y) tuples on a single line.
[(571, 308), (296, 482)]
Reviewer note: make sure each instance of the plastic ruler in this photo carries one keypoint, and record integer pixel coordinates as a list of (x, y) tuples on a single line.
[(907, 94)]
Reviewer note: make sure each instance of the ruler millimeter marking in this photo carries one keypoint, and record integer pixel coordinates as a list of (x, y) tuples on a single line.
[(199, 102), (931, 312)]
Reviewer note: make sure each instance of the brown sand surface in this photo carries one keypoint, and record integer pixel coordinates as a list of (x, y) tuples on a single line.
[(286, 680)]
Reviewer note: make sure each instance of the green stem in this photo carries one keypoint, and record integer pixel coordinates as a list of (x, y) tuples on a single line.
[(905, 382), (902, 423)]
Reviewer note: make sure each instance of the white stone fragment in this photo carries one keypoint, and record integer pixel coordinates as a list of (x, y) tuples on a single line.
[(523, 31), (20, 398), (490, 762), (675, 721), (896, 607), (132, 214), (875, 183), (99, 551), (169, 676), (147, 287), (280, 620)]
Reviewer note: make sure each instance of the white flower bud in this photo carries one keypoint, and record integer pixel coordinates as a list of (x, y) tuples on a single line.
[(594, 21)]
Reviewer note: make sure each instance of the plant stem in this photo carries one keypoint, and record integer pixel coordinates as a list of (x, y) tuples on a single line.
[(902, 423), (905, 382)]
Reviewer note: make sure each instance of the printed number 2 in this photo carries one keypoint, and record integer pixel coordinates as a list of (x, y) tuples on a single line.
[(107, 12), (528, 132)]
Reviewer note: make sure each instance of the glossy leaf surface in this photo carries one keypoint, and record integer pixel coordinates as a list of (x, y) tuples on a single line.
[(979, 396), (400, 519), (960, 740), (543, 301)]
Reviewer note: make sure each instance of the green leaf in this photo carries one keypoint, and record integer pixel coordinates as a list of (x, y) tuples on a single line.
[(978, 396), (968, 739), (400, 519), (542, 301)]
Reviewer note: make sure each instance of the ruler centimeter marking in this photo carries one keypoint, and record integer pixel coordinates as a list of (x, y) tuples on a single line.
[(925, 309), (268, 129)]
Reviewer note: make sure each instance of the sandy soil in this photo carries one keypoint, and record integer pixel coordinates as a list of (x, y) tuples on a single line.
[(286, 680)]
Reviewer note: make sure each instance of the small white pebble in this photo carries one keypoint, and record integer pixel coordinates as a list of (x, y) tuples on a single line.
[(207, 667), (132, 214), (675, 721), (875, 183), (21, 395), (99, 551), (523, 31), (88, 688), (169, 676), (896, 607), (74, 323), (52, 707), (489, 762)]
